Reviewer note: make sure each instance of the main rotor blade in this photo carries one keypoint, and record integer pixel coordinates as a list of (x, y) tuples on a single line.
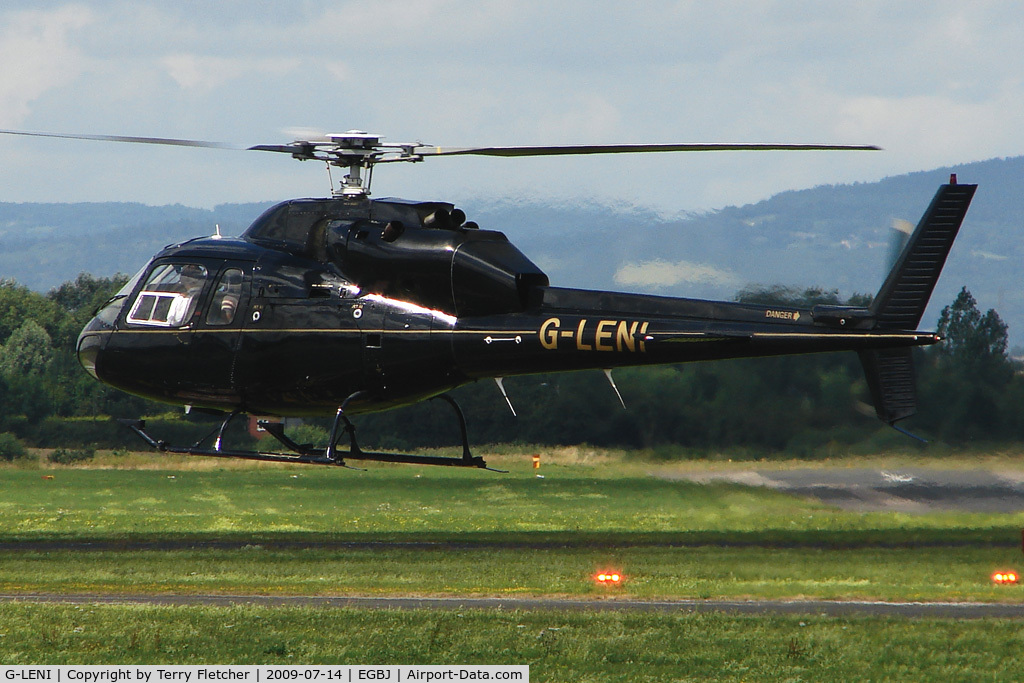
[(125, 138), (295, 148), (554, 150), (308, 149)]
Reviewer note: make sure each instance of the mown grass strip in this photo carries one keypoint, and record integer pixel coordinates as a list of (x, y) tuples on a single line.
[(570, 505), (928, 574), (556, 646)]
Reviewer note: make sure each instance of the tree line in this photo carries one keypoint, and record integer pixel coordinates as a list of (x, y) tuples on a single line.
[(970, 391)]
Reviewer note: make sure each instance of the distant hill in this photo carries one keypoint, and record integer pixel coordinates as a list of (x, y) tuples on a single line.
[(836, 237), (43, 245)]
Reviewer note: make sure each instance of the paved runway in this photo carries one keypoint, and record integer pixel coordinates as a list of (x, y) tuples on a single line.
[(832, 608), (904, 489)]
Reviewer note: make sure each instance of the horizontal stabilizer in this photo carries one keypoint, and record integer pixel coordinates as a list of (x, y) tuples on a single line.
[(891, 380), (904, 295)]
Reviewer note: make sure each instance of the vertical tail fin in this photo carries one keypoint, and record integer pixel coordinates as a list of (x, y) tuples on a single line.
[(892, 383), (901, 301)]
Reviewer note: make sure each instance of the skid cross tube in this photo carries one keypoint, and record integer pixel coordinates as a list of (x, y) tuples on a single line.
[(306, 454), (357, 453), (139, 427)]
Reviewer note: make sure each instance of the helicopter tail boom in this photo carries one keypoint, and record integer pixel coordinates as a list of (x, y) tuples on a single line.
[(577, 329)]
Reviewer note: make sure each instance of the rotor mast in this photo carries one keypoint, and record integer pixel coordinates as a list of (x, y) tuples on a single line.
[(356, 150)]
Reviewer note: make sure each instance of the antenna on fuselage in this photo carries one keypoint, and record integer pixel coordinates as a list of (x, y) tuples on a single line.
[(500, 381)]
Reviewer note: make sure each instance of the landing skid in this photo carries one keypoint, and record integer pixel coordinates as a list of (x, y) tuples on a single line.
[(305, 453)]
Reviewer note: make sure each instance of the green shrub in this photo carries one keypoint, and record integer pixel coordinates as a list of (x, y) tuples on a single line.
[(309, 435), (69, 456), (11, 448), (55, 432), (104, 432)]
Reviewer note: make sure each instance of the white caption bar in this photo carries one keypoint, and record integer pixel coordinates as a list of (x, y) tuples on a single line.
[(262, 674)]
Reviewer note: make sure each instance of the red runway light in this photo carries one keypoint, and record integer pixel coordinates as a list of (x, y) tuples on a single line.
[(1002, 578), (607, 578)]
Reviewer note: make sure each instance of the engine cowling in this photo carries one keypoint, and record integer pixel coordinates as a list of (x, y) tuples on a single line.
[(459, 271)]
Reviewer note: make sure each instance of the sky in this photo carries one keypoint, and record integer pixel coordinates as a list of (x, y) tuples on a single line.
[(934, 83)]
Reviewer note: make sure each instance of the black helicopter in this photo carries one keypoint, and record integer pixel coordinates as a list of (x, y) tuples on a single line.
[(348, 305)]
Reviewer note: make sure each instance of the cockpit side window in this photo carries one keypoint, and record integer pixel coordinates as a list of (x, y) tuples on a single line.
[(226, 297), (170, 296)]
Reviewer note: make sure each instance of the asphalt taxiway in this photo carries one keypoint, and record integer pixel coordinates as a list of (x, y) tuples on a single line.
[(904, 489), (831, 608)]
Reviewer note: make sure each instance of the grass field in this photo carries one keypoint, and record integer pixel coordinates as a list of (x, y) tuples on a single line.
[(140, 524), (556, 646), (200, 527)]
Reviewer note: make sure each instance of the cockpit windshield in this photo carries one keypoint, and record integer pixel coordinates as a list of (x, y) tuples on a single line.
[(111, 308), (170, 295)]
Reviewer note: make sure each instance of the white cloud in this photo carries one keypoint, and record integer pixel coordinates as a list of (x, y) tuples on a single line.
[(206, 72), (941, 128), (338, 70), (38, 55), (659, 274), (585, 116), (987, 255), (934, 83)]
